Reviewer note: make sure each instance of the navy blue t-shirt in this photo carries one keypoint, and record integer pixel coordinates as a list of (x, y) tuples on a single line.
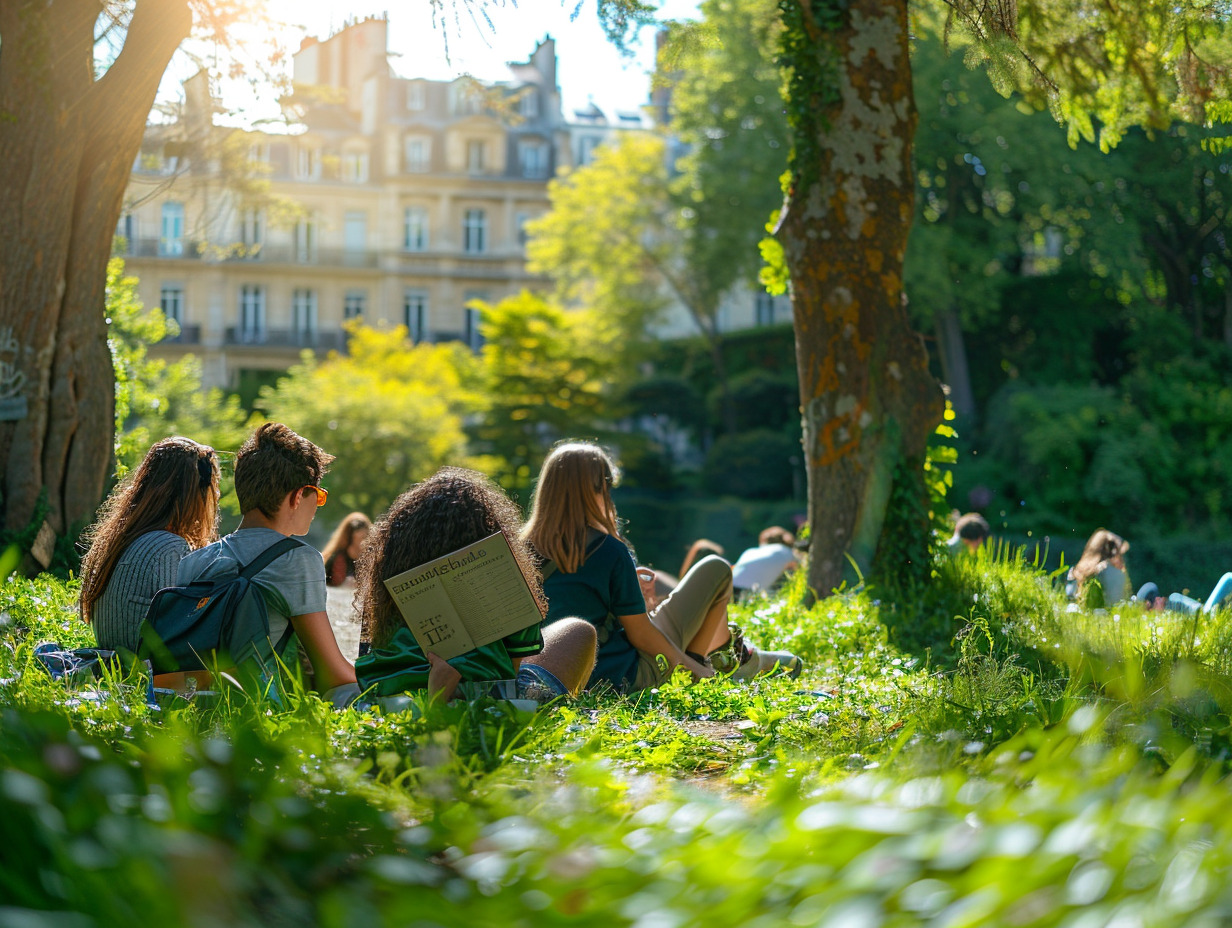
[(606, 583)]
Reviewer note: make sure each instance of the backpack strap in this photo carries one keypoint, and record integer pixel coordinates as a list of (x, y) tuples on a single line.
[(268, 556), (262, 561)]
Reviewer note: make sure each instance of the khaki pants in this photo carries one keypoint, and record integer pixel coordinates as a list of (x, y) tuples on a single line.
[(680, 616)]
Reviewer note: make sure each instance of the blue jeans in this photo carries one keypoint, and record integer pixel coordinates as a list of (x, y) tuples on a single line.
[(1179, 602)]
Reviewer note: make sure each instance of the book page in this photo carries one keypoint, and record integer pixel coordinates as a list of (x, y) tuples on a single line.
[(489, 591), (427, 611)]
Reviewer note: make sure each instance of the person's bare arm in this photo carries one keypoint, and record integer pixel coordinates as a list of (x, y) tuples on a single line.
[(650, 641), (317, 636)]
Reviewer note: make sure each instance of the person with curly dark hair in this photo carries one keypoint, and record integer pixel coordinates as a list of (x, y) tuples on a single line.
[(448, 511), (166, 508)]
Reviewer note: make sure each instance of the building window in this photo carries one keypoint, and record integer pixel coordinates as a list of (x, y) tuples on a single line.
[(415, 314), (308, 163), (171, 299), (533, 157), (355, 167), (528, 105), (523, 236), (474, 317), (355, 304), (306, 241), (252, 313), (467, 98), (126, 229), (354, 235), (418, 154), (763, 308), (476, 156), (171, 241), (304, 312), (586, 148), (251, 231), (415, 229), (475, 232), (416, 97)]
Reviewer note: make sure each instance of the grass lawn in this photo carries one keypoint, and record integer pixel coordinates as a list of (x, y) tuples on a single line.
[(969, 753)]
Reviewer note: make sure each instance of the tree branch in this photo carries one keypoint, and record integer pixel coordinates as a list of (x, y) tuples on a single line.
[(155, 31)]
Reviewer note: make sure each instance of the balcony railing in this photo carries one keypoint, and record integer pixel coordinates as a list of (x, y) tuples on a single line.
[(179, 248), (189, 335), (328, 257), (285, 338)]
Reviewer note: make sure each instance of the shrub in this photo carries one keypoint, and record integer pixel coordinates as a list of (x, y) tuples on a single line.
[(757, 465)]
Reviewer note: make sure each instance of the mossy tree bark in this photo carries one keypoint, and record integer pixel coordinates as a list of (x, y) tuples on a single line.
[(67, 145), (867, 398)]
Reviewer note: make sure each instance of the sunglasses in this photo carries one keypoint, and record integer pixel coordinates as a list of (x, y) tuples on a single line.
[(322, 494)]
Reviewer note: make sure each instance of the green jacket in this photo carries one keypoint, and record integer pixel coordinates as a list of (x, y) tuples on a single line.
[(401, 665)]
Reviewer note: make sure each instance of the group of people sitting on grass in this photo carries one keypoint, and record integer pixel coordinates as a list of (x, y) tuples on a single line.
[(1099, 577), (604, 623)]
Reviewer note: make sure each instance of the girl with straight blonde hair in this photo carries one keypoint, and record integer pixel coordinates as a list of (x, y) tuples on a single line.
[(165, 509), (590, 573)]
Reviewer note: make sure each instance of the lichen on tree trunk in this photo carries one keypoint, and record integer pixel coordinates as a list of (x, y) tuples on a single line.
[(867, 398)]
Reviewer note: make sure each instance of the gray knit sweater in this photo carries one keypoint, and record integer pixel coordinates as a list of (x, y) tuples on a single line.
[(148, 565)]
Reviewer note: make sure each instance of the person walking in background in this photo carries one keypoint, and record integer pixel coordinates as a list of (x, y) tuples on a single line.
[(590, 573), (343, 548), (444, 513), (970, 532), (761, 567), (164, 510)]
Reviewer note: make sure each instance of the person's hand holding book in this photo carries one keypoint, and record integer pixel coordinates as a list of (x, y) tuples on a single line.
[(443, 678)]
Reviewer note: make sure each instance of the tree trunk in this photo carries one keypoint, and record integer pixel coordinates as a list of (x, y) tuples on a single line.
[(952, 350), (67, 144), (867, 397)]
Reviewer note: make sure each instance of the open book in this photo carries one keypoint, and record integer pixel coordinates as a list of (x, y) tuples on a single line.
[(470, 597)]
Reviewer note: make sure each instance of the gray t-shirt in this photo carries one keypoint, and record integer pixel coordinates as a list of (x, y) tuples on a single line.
[(148, 565), (294, 584)]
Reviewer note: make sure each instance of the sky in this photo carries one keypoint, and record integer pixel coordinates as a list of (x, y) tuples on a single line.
[(589, 67)]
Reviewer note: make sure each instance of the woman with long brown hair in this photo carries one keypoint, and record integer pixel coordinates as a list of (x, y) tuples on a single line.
[(341, 552), (589, 572), (448, 511), (165, 509), (1103, 559)]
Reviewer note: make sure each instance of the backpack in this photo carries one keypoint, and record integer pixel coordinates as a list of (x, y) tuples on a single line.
[(219, 622)]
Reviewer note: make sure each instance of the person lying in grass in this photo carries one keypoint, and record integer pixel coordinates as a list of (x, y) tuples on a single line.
[(167, 508), (448, 511), (589, 572)]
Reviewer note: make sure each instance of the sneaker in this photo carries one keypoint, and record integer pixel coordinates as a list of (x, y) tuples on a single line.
[(743, 661)]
